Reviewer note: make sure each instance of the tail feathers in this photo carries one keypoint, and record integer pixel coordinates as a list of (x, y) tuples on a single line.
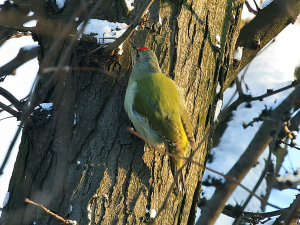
[(176, 164), (182, 182)]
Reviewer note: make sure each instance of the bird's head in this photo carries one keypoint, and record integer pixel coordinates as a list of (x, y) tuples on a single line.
[(144, 59)]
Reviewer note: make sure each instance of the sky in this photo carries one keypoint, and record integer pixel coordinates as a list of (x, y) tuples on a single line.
[(273, 69)]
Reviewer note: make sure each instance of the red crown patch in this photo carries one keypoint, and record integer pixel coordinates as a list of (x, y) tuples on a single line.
[(143, 48)]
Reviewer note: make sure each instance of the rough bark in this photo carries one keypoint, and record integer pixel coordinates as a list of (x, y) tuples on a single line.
[(81, 163)]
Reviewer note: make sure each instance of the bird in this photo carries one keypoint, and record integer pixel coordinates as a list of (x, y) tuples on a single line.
[(156, 108)]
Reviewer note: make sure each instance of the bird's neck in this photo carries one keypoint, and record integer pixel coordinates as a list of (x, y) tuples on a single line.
[(143, 70)]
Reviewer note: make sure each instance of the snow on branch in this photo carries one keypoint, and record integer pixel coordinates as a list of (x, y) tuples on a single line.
[(130, 29), (287, 181)]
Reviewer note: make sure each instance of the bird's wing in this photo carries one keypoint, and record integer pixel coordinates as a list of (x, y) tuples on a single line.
[(160, 109), (187, 126)]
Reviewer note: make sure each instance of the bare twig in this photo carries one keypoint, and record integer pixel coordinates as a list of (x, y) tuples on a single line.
[(6, 94), (130, 30), (257, 7), (250, 9), (25, 54), (271, 92), (21, 100), (69, 68), (248, 98), (247, 216), (9, 110), (288, 144), (49, 212), (19, 28), (6, 118)]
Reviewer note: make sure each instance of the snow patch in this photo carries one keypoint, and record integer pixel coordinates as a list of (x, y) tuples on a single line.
[(218, 109), (60, 3), (218, 88), (153, 213), (6, 199), (44, 106), (238, 54), (129, 4), (218, 38), (104, 31), (31, 23)]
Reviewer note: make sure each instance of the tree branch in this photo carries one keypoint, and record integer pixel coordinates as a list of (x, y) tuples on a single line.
[(25, 54), (262, 138), (247, 216), (262, 176), (10, 110), (248, 98), (268, 23), (6, 94), (293, 210), (64, 221), (250, 9)]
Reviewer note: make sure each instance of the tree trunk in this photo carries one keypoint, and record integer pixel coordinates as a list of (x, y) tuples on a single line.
[(80, 162)]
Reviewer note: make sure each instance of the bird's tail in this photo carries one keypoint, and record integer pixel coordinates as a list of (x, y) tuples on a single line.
[(176, 164)]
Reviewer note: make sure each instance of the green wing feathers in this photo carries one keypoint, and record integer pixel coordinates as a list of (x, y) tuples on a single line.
[(187, 127), (160, 108), (159, 102)]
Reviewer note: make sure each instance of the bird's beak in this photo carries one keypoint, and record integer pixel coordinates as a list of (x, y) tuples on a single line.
[(135, 48), (132, 45)]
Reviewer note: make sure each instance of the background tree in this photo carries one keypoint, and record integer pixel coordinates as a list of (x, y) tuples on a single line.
[(80, 162)]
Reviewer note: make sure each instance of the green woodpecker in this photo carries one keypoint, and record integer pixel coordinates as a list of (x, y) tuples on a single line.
[(156, 108)]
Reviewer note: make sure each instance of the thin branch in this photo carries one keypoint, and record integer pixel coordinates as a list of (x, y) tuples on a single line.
[(25, 54), (247, 216), (250, 9), (288, 144), (64, 221), (248, 98), (6, 94), (257, 7), (10, 110), (21, 102), (129, 31), (271, 92), (19, 28), (6, 118)]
